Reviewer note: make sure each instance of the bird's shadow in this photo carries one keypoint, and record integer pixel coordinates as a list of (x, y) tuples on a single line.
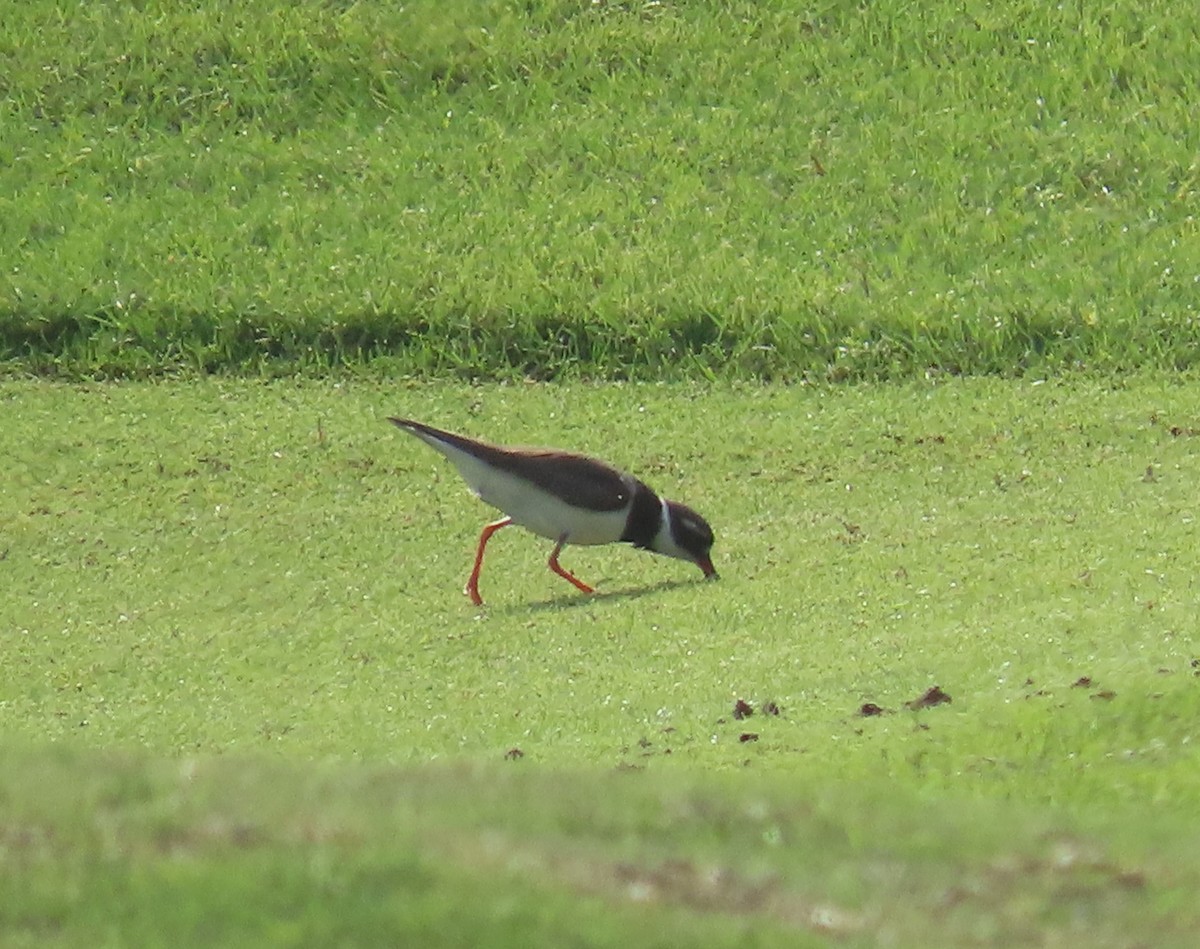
[(568, 601)]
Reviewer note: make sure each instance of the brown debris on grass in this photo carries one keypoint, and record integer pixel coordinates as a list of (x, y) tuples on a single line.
[(931, 697)]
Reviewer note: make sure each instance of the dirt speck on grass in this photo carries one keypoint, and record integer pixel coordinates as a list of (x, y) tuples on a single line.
[(742, 709), (869, 709), (932, 696)]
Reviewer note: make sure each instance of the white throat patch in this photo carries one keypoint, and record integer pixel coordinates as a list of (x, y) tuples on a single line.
[(664, 542)]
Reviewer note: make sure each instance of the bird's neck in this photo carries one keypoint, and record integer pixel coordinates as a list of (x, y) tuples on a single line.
[(647, 516)]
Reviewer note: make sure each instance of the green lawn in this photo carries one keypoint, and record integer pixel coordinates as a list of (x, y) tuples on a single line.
[(902, 298), (243, 580), (112, 850), (574, 188)]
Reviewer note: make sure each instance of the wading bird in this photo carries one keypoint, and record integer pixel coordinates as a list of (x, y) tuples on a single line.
[(570, 499)]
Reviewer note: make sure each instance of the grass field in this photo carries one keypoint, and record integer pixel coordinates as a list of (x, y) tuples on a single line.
[(233, 582), (117, 852), (575, 188), (903, 298)]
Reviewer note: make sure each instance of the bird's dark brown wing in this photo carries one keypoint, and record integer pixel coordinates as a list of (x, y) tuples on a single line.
[(580, 481), (576, 479)]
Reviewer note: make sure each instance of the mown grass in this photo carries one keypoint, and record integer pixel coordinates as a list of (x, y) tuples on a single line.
[(598, 189), (115, 850), (243, 699), (255, 577)]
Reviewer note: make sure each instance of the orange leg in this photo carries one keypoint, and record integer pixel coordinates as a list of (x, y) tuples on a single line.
[(562, 571), (472, 587)]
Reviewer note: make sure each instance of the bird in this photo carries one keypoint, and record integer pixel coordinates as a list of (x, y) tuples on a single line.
[(568, 498)]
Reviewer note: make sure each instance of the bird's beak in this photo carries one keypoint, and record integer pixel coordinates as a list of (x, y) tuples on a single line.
[(710, 572)]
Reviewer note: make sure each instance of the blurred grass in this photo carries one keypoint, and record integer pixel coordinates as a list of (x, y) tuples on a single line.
[(122, 850), (598, 189)]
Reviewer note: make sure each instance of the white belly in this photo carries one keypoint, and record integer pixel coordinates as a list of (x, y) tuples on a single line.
[(536, 511)]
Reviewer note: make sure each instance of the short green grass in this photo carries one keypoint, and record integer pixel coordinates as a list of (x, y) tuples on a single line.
[(114, 850), (243, 699), (247, 579), (598, 189)]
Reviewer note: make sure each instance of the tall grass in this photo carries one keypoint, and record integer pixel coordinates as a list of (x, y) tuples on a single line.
[(617, 189)]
